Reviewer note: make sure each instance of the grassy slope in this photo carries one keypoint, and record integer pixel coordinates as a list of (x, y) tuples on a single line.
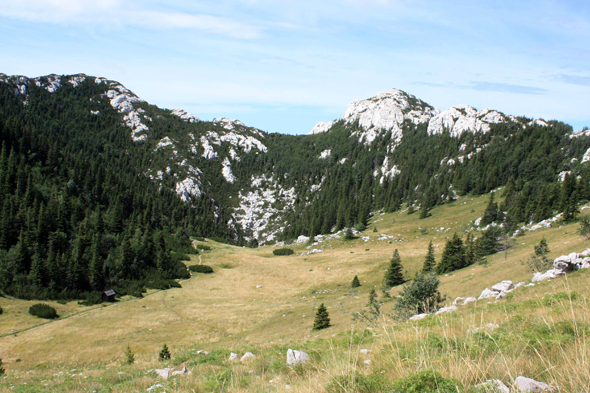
[(226, 311)]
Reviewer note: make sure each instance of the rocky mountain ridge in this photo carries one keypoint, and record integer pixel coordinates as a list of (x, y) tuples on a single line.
[(267, 180)]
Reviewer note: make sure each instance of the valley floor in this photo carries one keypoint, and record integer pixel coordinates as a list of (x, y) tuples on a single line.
[(265, 304)]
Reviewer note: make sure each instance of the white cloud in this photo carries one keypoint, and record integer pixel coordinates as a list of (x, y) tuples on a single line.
[(116, 12)]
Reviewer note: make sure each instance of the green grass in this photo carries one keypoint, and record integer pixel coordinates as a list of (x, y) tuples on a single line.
[(266, 305)]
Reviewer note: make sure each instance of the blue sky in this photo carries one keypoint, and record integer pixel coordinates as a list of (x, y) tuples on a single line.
[(284, 65)]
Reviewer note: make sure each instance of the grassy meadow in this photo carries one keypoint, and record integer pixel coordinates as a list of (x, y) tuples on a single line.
[(255, 301)]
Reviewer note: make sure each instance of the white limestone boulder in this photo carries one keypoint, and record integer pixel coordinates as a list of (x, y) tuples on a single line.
[(248, 357), (458, 300), (233, 357), (163, 372), (549, 274), (493, 386), (524, 384), (503, 286), (468, 300), (296, 357), (488, 293), (418, 317), (446, 310)]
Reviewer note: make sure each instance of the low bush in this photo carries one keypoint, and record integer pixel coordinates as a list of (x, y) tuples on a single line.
[(43, 310), (426, 381), (283, 251), (92, 298), (201, 269), (162, 284), (354, 382), (203, 247), (179, 256)]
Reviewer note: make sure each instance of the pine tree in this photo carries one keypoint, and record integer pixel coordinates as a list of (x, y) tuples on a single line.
[(164, 353), (372, 297), (453, 257), (322, 319), (429, 261), (394, 275), (355, 282), (130, 357), (2, 371), (491, 213)]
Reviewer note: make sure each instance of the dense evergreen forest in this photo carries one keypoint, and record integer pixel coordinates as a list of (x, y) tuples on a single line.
[(78, 215), (85, 208)]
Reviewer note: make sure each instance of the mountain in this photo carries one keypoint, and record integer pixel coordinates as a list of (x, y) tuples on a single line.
[(223, 178)]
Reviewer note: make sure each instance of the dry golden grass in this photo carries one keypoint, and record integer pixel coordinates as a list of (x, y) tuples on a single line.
[(227, 310)]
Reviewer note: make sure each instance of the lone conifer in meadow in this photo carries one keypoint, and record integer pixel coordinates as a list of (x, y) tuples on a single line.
[(429, 261), (322, 318), (394, 275), (164, 353), (2, 371), (355, 282), (129, 356)]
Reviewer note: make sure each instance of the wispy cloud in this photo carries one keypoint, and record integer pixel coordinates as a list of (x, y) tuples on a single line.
[(505, 88), (116, 12), (574, 79)]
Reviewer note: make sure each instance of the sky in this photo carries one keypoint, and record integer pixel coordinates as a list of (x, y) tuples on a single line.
[(284, 65)]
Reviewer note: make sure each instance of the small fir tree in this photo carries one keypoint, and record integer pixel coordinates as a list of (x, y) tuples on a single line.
[(538, 261), (584, 229), (348, 235), (491, 213), (355, 282), (164, 353), (429, 261), (2, 371), (372, 297), (130, 357), (322, 318), (394, 275), (453, 256)]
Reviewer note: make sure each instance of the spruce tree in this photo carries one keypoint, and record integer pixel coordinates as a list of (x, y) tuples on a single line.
[(129, 356), (491, 213), (355, 282), (429, 261), (2, 371), (164, 353), (394, 275), (453, 257), (322, 318)]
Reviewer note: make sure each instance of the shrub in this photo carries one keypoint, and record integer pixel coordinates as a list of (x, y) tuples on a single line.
[(283, 251), (584, 229), (354, 382), (1, 311), (426, 381), (92, 298), (203, 247), (179, 256), (2, 371), (420, 296), (201, 269), (162, 284), (164, 353), (43, 310)]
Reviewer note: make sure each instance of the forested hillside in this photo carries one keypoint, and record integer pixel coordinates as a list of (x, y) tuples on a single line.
[(99, 186)]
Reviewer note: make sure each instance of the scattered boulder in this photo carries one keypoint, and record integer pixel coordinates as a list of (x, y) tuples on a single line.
[(156, 386), (504, 286), (520, 284), (524, 384), (457, 300), (202, 352), (418, 317), (585, 263), (469, 300), (296, 357), (365, 351), (446, 310), (233, 357), (181, 372), (493, 386), (488, 293), (585, 253), (248, 357), (163, 372), (367, 362), (547, 275)]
